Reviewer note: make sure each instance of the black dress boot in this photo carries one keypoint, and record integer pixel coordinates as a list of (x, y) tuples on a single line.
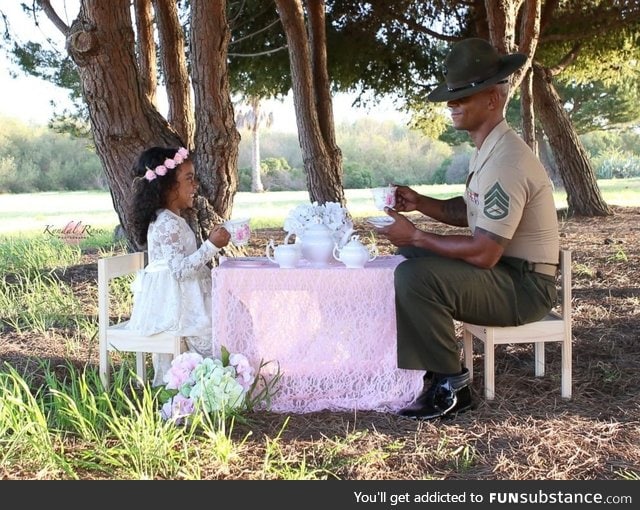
[(447, 394)]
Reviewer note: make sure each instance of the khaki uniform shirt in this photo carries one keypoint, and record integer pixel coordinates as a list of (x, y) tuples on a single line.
[(509, 193)]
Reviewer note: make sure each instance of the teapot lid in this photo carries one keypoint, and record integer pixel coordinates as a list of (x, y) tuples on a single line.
[(354, 242), (316, 225)]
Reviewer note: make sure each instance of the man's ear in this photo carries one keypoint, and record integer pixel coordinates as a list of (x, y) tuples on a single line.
[(493, 99)]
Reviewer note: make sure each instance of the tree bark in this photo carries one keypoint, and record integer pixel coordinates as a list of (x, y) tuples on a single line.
[(216, 136), (322, 158), (530, 30), (528, 113), (123, 119), (174, 65), (146, 50), (583, 195)]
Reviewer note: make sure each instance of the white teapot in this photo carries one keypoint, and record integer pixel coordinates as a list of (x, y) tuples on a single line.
[(285, 255), (354, 254), (317, 242)]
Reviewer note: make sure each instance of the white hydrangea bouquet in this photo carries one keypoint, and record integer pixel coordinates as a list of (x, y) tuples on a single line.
[(218, 387), (330, 214)]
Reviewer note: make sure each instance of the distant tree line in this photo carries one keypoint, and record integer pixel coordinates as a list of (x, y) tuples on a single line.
[(35, 158)]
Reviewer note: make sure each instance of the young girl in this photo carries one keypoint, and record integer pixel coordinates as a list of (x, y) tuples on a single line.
[(173, 293)]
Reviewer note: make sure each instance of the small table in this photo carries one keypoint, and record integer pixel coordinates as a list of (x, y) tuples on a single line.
[(331, 330)]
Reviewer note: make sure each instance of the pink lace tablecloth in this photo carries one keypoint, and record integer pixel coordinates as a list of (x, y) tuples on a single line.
[(332, 331)]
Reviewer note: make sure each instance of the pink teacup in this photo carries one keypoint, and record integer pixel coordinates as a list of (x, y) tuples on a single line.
[(384, 196), (239, 230)]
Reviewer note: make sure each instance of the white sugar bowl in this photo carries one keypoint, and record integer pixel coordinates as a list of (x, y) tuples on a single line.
[(354, 254), (285, 255)]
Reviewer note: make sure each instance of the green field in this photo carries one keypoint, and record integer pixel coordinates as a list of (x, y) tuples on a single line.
[(34, 212)]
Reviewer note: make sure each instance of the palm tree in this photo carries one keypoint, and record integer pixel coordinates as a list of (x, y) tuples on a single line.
[(253, 118)]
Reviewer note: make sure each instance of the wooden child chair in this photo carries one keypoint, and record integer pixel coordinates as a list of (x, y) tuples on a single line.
[(554, 327), (115, 337)]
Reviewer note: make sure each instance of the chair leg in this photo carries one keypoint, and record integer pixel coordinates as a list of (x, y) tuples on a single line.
[(104, 367), (489, 365), (538, 350), (566, 368), (467, 348), (141, 367)]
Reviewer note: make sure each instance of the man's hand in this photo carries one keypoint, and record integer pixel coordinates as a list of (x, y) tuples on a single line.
[(401, 232), (407, 200)]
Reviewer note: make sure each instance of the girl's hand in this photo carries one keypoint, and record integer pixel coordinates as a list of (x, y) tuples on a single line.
[(219, 236)]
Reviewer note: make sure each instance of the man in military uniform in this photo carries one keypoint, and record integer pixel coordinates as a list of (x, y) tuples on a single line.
[(502, 273)]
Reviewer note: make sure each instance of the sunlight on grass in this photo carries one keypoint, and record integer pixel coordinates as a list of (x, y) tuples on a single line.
[(63, 424), (38, 302), (583, 270), (34, 213), (35, 253), (25, 440), (628, 474), (117, 434)]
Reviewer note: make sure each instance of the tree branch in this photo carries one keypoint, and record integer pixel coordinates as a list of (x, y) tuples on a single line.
[(53, 16), (566, 61), (274, 22), (417, 27), (266, 52)]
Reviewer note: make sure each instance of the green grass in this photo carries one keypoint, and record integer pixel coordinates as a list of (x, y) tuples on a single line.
[(57, 421), (70, 427), (32, 213)]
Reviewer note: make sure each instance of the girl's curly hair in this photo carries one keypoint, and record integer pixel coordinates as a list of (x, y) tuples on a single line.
[(149, 196)]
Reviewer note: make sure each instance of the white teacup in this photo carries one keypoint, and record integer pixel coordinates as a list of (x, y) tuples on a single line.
[(384, 196), (239, 230), (285, 255)]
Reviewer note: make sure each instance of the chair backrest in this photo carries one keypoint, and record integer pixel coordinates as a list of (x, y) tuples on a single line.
[(109, 268)]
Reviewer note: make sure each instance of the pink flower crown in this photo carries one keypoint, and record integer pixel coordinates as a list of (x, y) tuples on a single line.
[(168, 164)]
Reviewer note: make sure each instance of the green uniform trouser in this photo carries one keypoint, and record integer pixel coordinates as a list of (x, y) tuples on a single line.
[(433, 291)]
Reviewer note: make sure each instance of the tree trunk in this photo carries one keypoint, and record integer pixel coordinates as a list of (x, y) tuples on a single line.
[(216, 136), (322, 162), (174, 65), (146, 49), (527, 110), (583, 195), (118, 97), (123, 119), (530, 15), (256, 169)]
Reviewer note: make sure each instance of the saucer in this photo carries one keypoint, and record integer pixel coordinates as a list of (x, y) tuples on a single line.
[(380, 221)]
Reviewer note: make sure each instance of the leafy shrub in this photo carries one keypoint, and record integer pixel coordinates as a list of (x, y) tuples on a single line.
[(36, 159), (244, 179), (356, 176), (613, 163), (277, 175)]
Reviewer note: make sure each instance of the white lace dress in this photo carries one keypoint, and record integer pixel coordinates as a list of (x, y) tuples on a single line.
[(173, 292)]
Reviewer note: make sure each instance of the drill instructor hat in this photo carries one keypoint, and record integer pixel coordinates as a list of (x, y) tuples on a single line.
[(471, 66)]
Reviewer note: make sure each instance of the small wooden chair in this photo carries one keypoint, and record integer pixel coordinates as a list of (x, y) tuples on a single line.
[(554, 327), (115, 337)]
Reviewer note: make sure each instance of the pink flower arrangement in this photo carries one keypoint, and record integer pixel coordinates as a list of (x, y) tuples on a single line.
[(197, 384), (168, 164)]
